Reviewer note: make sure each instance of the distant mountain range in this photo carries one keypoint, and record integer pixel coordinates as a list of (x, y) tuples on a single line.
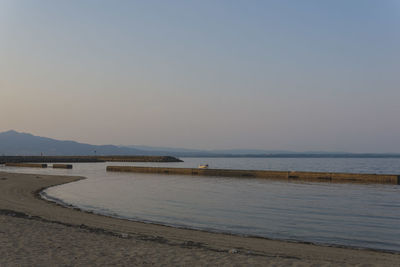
[(13, 143)]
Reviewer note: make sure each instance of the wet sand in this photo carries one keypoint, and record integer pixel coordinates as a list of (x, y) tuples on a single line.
[(36, 232)]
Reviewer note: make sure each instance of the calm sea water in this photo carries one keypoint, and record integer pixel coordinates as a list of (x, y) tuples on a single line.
[(343, 214)]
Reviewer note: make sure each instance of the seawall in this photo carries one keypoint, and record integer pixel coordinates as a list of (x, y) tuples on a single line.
[(29, 165), (71, 159), (278, 175), (62, 166)]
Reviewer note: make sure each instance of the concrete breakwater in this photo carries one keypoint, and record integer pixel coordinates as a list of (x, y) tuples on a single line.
[(29, 165), (53, 159), (139, 158), (62, 166), (279, 175)]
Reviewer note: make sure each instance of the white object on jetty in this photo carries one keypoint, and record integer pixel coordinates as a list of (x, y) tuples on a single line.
[(205, 166)]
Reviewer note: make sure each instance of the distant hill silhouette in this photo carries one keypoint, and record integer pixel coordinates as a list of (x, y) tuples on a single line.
[(13, 143)]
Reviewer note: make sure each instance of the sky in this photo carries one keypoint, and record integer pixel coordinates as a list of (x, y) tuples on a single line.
[(281, 75)]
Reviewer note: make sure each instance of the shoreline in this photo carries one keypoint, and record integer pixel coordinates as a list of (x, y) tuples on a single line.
[(40, 194), (20, 193)]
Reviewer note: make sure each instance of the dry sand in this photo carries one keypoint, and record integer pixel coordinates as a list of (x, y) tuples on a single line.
[(34, 232)]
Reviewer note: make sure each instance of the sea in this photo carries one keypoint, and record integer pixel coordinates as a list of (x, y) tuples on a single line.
[(351, 215)]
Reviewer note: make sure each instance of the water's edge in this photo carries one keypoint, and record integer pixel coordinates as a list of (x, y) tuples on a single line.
[(342, 215), (45, 197)]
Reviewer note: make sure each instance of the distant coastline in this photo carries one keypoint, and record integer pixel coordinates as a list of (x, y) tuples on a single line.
[(300, 155), (14, 143)]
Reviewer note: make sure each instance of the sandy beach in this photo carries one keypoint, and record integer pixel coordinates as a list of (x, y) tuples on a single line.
[(36, 232)]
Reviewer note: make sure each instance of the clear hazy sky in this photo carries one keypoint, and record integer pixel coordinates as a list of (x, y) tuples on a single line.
[(293, 75)]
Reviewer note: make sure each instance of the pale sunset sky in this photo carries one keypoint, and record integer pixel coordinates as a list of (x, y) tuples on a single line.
[(282, 75)]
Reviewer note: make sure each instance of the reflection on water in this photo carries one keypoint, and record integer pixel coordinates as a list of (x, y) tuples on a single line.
[(344, 214)]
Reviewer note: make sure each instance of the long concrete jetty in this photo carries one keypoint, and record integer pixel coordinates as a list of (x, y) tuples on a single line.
[(70, 159), (139, 158), (279, 175)]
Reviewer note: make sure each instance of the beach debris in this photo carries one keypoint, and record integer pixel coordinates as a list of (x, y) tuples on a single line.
[(124, 235), (233, 251)]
